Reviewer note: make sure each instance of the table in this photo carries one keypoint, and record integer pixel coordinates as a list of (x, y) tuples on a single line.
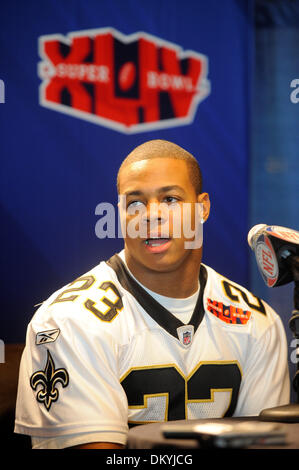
[(149, 436), (9, 373)]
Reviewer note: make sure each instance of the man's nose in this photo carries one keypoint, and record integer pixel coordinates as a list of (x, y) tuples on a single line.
[(154, 212)]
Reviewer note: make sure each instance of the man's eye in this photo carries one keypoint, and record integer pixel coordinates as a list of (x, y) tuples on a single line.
[(133, 204), (171, 199)]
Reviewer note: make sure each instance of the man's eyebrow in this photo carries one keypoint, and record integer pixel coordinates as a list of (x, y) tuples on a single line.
[(133, 193), (164, 189)]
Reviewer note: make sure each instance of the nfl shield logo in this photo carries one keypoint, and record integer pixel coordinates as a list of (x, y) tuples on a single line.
[(185, 334), (187, 338)]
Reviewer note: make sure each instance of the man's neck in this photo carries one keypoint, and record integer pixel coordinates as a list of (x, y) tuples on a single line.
[(181, 282)]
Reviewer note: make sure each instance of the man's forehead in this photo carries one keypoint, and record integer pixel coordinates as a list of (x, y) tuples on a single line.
[(141, 165), (154, 171), (153, 165), (134, 191)]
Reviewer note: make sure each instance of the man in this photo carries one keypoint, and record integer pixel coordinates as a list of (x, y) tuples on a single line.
[(152, 334)]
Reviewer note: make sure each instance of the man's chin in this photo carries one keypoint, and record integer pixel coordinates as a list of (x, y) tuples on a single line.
[(167, 260)]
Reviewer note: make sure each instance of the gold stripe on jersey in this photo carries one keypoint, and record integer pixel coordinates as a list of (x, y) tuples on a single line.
[(146, 397), (219, 362), (151, 367)]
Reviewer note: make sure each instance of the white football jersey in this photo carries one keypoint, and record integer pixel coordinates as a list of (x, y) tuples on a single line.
[(102, 353)]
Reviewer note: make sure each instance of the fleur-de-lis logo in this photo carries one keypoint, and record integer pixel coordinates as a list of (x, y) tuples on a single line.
[(48, 379)]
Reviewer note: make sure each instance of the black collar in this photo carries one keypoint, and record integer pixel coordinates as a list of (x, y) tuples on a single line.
[(159, 313)]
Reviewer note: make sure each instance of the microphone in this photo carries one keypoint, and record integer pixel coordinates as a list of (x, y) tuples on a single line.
[(276, 249), (277, 254)]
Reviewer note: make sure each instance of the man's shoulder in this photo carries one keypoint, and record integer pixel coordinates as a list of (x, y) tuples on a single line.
[(97, 291), (81, 283), (235, 303)]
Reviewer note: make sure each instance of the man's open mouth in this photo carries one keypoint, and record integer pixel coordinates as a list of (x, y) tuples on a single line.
[(157, 244), (156, 241)]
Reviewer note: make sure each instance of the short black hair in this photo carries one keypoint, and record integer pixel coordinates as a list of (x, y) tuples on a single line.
[(164, 149)]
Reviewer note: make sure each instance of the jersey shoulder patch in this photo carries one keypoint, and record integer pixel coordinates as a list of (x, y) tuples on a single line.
[(231, 302)]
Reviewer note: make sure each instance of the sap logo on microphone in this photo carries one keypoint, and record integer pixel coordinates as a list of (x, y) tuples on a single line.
[(131, 84)]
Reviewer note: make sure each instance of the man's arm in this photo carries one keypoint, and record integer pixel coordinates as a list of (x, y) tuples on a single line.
[(91, 401), (99, 445)]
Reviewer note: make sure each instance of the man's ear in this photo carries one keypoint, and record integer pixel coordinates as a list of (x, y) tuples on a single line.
[(204, 200)]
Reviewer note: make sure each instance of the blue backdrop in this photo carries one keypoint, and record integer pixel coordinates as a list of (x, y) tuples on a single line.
[(274, 162), (56, 167)]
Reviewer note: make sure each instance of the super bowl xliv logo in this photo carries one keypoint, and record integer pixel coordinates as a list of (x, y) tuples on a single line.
[(127, 83)]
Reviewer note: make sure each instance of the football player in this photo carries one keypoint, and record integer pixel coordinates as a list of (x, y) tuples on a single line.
[(152, 334)]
